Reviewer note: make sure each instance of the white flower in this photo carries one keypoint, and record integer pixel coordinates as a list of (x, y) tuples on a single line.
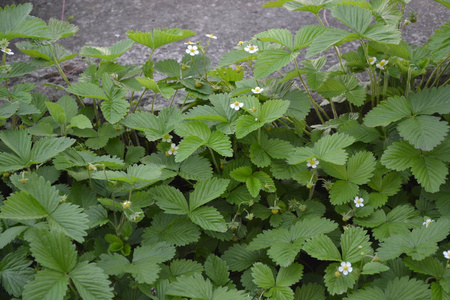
[(312, 163), (173, 149), (92, 167), (257, 90), (167, 138), (346, 267), (211, 36), (189, 43), (359, 202), (8, 51), (446, 254), (137, 216), (427, 222), (372, 60), (192, 50), (126, 204), (251, 48), (381, 64), (117, 35), (236, 105)]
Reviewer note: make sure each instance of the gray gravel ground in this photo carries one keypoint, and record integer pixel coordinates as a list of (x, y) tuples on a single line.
[(100, 21)]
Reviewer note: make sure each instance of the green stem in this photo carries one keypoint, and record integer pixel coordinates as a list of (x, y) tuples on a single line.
[(139, 100), (62, 74), (336, 48), (97, 117), (385, 83), (438, 77), (214, 159), (333, 108), (173, 98), (408, 83), (153, 102)]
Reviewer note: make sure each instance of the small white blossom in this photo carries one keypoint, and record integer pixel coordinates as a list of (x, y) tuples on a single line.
[(359, 202), (211, 36), (381, 64), (137, 216), (92, 167), (173, 149), (167, 138), (257, 90), (192, 50), (427, 222), (372, 60), (117, 35), (251, 48), (7, 51), (189, 43), (126, 204), (236, 105), (312, 163), (446, 254), (346, 267)]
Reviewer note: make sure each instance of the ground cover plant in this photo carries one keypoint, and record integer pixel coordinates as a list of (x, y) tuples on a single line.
[(272, 175)]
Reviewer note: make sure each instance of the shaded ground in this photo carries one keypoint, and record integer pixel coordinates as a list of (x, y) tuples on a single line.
[(99, 22)]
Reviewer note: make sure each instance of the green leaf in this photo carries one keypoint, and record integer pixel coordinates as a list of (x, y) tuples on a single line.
[(399, 156), (360, 167), (47, 285), (430, 101), (10, 234), (428, 266), (355, 241), (159, 37), (61, 29), (241, 174), (107, 53), (220, 143), (355, 17), (22, 206), (323, 248), (113, 264), (279, 36), (170, 199), (329, 148), (429, 172), (331, 37), (304, 37), (53, 250), (239, 258), (48, 147), (342, 192), (290, 275), (57, 112), (246, 124), (206, 191), (208, 218), (439, 43), (388, 34), (423, 132), (374, 268), (15, 272), (88, 90), (16, 23), (91, 282), (195, 287), (181, 267), (272, 60), (196, 167), (69, 219), (175, 230), (18, 141), (169, 67), (310, 291), (188, 146), (115, 109), (272, 110), (216, 269), (336, 285), (80, 121), (263, 276)]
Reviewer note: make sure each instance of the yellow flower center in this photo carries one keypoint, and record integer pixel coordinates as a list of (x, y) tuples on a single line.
[(312, 162), (172, 149), (382, 63), (236, 103), (345, 268), (192, 50), (166, 137), (7, 50), (240, 42), (371, 59), (251, 48)]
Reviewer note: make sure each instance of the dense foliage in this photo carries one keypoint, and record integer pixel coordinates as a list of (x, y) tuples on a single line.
[(265, 177)]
